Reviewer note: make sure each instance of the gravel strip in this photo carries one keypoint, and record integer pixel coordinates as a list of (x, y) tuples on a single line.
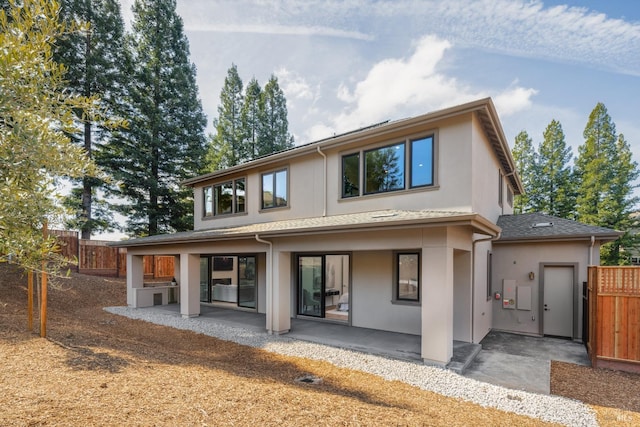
[(547, 408)]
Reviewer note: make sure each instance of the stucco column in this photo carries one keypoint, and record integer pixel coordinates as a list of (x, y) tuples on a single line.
[(437, 304), (280, 314), (135, 277), (189, 285)]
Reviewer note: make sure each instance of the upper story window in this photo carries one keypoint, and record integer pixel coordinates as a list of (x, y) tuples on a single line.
[(387, 168), (384, 169), (275, 189), (225, 198), (500, 187)]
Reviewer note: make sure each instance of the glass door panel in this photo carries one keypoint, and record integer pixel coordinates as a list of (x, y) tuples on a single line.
[(205, 289), (310, 286), (247, 281)]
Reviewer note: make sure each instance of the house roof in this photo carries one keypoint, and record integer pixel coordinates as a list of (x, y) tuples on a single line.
[(327, 224), (483, 108), (540, 227)]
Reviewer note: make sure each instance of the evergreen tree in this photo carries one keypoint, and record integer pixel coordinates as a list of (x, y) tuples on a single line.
[(554, 177), (251, 113), (94, 61), (229, 130), (620, 206), (605, 173), (274, 126), (593, 166), (165, 142), (526, 163)]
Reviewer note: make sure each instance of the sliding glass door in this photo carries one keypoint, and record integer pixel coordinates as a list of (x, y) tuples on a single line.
[(247, 283), (229, 279), (311, 286), (323, 286)]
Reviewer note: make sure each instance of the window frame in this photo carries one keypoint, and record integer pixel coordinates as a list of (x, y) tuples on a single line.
[(396, 278), (209, 208), (274, 173), (500, 187), (403, 166), (408, 147), (410, 153)]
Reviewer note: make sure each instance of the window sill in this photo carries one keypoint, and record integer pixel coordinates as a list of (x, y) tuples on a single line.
[(408, 303), (389, 193), (275, 209), (211, 217)]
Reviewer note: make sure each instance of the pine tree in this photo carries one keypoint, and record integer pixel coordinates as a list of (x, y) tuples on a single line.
[(620, 205), (554, 178), (250, 117), (229, 130), (274, 126), (605, 172), (94, 61), (165, 141), (525, 157), (593, 166)]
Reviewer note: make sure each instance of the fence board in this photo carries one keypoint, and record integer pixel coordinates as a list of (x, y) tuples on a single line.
[(164, 267), (614, 317), (95, 257)]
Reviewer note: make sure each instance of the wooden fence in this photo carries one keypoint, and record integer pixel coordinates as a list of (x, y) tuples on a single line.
[(96, 258), (614, 317)]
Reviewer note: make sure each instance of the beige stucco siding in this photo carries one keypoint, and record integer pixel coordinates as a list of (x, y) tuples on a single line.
[(485, 182), (452, 190), (516, 261)]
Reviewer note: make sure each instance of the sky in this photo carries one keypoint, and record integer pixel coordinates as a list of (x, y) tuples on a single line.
[(347, 64)]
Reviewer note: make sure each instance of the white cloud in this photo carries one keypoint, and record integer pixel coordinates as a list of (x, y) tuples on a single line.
[(293, 85), (522, 28), (400, 87), (514, 100)]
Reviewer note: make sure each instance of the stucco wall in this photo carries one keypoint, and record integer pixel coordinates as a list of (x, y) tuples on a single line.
[(453, 189), (372, 292), (516, 261)]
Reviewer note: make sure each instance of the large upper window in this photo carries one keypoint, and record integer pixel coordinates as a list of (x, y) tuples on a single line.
[(225, 198), (384, 169), (274, 189), (403, 165)]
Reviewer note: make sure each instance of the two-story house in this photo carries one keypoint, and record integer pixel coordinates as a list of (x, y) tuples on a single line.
[(389, 227)]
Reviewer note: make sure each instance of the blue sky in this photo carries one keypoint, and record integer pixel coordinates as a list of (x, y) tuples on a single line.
[(346, 64)]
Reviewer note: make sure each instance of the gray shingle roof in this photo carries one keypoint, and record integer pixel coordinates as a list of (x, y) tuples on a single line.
[(334, 223), (541, 227)]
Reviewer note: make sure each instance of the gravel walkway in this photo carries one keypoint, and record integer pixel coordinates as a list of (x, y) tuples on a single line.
[(547, 408)]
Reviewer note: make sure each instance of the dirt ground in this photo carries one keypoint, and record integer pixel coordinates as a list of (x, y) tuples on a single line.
[(96, 368)]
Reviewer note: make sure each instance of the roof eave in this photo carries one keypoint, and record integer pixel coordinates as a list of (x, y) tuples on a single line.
[(476, 222), (602, 238)]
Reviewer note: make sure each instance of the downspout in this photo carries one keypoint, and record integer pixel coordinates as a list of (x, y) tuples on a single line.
[(593, 242), (473, 277), (324, 182), (269, 284)]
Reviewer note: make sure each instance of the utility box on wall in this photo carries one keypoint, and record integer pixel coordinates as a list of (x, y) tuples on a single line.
[(524, 297), (509, 294)]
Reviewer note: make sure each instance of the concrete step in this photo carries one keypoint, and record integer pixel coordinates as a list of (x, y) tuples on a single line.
[(464, 353)]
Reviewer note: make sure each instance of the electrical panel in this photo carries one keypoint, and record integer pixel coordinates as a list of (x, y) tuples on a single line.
[(509, 294)]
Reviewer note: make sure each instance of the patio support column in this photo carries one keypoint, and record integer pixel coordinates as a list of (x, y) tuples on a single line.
[(135, 278), (437, 304), (189, 285), (280, 314)]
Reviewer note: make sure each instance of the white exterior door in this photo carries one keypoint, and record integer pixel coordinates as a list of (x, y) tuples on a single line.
[(558, 301)]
